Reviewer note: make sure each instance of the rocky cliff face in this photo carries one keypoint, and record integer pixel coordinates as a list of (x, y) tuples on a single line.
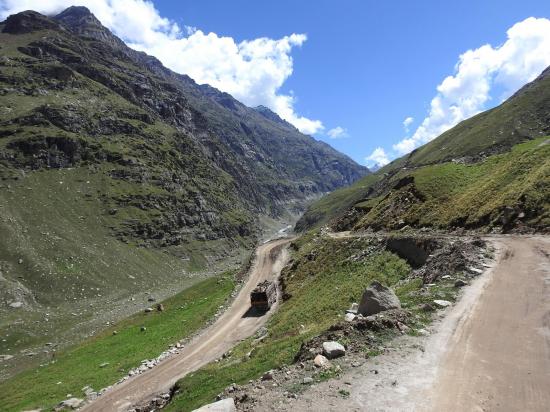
[(78, 96)]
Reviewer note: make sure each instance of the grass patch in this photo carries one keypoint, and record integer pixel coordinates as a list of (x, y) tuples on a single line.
[(75, 368)]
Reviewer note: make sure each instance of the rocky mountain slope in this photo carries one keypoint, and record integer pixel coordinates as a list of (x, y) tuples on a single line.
[(118, 175), (490, 172)]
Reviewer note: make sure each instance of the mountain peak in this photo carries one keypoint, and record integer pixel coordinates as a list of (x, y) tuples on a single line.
[(75, 14), (81, 21)]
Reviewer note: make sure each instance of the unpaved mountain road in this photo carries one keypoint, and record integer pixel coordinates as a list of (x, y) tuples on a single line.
[(499, 355), (489, 352), (229, 329)]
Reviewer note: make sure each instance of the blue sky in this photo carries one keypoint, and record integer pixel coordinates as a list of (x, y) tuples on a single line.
[(365, 66)]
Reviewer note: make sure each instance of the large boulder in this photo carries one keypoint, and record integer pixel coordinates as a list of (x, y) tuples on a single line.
[(378, 298), (225, 405)]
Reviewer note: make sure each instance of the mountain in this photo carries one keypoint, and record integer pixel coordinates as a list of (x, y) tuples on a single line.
[(490, 172), (118, 175)]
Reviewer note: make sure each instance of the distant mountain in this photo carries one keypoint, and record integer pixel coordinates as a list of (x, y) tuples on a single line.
[(489, 172), (118, 175)]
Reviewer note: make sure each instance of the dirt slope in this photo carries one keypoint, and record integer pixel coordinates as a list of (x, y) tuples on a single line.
[(227, 331)]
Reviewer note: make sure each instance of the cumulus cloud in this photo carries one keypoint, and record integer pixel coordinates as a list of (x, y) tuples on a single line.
[(337, 133), (479, 74), (253, 71), (377, 158)]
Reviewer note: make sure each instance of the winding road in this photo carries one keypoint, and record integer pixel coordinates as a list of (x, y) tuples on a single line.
[(228, 330)]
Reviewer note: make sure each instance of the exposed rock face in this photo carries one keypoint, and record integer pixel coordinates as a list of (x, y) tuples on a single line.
[(378, 298)]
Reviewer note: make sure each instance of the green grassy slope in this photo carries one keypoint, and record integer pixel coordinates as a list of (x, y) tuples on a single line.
[(471, 196), (73, 369), (59, 258)]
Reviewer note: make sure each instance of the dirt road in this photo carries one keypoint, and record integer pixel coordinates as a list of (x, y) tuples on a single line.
[(489, 352), (217, 339), (499, 355)]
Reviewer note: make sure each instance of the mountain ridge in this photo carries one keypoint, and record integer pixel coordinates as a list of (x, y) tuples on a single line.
[(119, 176)]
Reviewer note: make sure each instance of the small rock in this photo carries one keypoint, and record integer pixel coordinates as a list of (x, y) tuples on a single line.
[(160, 307), (115, 333), (426, 307), (148, 310), (5, 357), (103, 364), (475, 271), (460, 283), (268, 376), (321, 362), (143, 328), (16, 305), (349, 317), (307, 380), (442, 303), (72, 403), (333, 349), (353, 308)]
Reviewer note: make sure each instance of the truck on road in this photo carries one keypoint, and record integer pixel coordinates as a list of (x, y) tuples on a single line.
[(264, 295)]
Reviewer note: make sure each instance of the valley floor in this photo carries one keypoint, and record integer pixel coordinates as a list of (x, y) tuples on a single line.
[(489, 352)]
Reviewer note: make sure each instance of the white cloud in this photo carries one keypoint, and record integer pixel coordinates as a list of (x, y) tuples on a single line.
[(337, 133), (406, 123), (253, 71), (479, 73), (377, 158)]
